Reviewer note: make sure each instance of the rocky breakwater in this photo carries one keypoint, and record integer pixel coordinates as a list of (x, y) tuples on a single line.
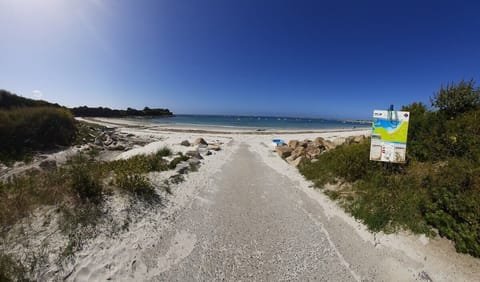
[(297, 152)]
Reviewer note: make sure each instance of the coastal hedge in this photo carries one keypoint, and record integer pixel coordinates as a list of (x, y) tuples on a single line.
[(9, 101), (85, 111), (437, 190), (23, 130)]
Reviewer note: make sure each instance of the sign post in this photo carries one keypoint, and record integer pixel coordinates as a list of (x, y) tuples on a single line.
[(389, 136)]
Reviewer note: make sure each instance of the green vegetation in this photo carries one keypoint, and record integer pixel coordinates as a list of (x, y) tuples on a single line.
[(27, 125), (107, 112), (135, 184), (177, 160), (11, 101), (87, 132), (80, 181), (438, 189), (24, 130), (85, 184), (78, 190)]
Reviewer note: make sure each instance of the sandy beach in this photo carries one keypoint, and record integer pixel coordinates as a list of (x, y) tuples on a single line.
[(246, 214), (239, 141)]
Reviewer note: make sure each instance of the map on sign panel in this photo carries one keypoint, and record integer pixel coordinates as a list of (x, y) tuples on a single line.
[(389, 136)]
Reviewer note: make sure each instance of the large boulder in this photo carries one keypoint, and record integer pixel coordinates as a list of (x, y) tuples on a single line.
[(359, 139), (194, 161), (284, 151), (293, 144), (194, 154), (290, 159), (98, 140), (313, 152), (339, 141), (299, 151), (199, 141), (298, 161), (325, 144), (108, 141), (329, 145), (185, 143), (202, 149), (304, 143), (214, 147), (116, 148), (319, 140)]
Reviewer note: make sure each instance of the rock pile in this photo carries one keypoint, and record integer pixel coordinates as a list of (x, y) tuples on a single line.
[(201, 147), (117, 141), (297, 151)]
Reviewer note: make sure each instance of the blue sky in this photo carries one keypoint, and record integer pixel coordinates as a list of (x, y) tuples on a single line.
[(331, 59)]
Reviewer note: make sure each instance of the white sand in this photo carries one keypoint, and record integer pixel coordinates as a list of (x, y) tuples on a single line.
[(118, 258)]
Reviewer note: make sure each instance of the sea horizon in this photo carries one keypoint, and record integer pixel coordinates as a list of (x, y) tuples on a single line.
[(260, 121)]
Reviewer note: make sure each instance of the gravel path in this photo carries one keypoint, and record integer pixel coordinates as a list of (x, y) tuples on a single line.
[(254, 225), (246, 215)]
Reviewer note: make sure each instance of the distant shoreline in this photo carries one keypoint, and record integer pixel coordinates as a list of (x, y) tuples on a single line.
[(249, 123), (212, 129)]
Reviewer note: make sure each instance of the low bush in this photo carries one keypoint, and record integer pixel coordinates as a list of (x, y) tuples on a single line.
[(24, 130), (86, 186), (439, 186), (164, 152), (77, 189), (79, 182), (135, 184), (453, 207), (138, 164)]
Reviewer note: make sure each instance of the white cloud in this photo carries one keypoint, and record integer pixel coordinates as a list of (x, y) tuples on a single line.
[(37, 94)]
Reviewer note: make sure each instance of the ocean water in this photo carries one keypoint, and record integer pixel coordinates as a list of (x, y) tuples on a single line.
[(259, 122)]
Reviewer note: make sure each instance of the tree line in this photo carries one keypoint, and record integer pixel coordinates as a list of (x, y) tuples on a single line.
[(85, 111)]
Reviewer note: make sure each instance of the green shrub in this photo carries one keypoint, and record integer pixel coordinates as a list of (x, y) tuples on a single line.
[(87, 187), (135, 184), (438, 187), (346, 163), (164, 152), (176, 161), (455, 99), (24, 130), (454, 204), (139, 164)]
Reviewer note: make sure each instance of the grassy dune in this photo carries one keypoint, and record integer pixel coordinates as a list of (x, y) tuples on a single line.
[(436, 191)]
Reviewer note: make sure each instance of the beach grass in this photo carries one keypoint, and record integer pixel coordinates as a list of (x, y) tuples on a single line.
[(78, 190)]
